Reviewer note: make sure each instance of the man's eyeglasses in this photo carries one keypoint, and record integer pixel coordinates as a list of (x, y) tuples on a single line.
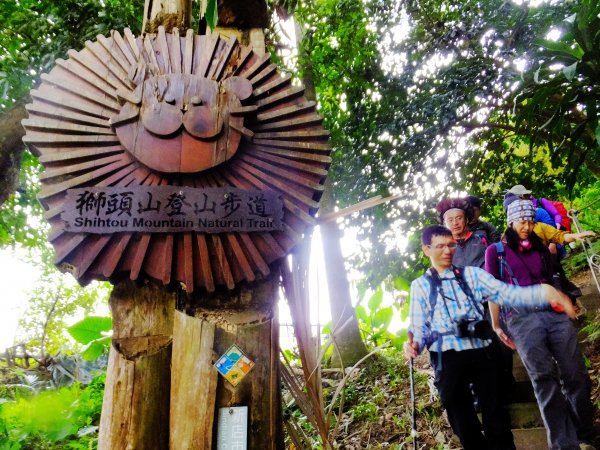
[(453, 220), (439, 247)]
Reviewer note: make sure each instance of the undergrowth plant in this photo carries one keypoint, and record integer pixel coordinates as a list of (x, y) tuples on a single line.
[(63, 418)]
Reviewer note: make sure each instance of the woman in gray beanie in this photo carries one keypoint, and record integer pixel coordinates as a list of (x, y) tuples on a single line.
[(544, 339)]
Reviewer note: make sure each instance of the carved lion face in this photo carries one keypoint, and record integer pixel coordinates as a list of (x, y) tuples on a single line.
[(182, 123)]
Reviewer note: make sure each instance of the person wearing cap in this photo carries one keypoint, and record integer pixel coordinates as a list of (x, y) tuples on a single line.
[(476, 224), (544, 338), (545, 211), (460, 361), (547, 233), (455, 214)]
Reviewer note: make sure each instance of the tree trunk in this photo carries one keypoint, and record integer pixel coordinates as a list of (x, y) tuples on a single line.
[(245, 317), (167, 13), (349, 347), (11, 149), (135, 411)]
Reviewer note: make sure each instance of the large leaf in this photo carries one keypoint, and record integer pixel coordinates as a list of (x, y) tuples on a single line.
[(400, 339), (570, 71), (404, 311), (563, 49), (376, 299), (361, 314), (89, 329), (212, 14), (401, 284), (96, 348), (382, 317)]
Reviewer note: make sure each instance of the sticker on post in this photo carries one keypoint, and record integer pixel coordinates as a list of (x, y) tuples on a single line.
[(234, 365)]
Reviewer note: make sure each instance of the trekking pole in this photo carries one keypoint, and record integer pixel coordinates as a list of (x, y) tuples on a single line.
[(413, 431)]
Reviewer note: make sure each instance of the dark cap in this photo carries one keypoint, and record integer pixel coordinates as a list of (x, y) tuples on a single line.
[(474, 201)]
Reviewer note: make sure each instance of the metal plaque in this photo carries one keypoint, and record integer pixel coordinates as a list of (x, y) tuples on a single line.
[(165, 209), (232, 428)]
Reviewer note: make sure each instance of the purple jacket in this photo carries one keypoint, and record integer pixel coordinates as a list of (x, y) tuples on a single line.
[(528, 266)]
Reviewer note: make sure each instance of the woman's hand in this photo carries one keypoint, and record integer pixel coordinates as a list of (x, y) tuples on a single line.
[(504, 338), (572, 237)]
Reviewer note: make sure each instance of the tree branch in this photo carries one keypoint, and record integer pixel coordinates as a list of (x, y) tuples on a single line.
[(476, 125)]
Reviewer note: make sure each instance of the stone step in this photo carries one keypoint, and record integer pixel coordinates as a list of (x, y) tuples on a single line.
[(530, 438), (525, 415), (519, 370), (590, 298)]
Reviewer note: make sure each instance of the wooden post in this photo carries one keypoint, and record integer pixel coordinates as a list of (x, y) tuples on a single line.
[(135, 412), (246, 317), (230, 271)]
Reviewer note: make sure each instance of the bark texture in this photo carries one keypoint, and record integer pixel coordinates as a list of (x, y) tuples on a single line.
[(11, 149), (349, 347), (243, 13), (135, 411), (247, 318)]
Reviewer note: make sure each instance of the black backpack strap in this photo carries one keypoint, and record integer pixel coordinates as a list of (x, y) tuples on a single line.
[(434, 285), (458, 274)]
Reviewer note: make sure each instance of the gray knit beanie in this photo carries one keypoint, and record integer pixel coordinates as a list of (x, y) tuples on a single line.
[(520, 210)]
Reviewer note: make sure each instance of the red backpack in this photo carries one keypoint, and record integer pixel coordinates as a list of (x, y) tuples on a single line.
[(566, 222)]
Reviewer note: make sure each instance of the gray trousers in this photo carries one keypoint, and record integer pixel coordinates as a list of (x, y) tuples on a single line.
[(547, 344)]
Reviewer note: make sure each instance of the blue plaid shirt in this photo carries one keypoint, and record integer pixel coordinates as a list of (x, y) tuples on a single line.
[(454, 304)]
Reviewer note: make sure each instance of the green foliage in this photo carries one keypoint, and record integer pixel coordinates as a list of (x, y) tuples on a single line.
[(587, 202), (376, 406), (591, 328), (34, 34), (211, 13), (577, 261), (92, 332), (52, 419), (558, 103), (21, 216), (546, 133), (376, 318), (54, 299)]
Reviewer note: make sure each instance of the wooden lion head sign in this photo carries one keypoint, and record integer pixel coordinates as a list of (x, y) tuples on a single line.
[(185, 159)]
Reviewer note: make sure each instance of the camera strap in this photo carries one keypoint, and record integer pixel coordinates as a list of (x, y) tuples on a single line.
[(435, 287), (462, 283)]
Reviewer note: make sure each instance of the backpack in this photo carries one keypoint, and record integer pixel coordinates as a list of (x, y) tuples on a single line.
[(504, 270), (504, 267), (564, 215), (559, 279), (435, 283)]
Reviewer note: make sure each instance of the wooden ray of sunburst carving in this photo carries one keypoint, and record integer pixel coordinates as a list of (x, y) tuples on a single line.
[(196, 111)]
